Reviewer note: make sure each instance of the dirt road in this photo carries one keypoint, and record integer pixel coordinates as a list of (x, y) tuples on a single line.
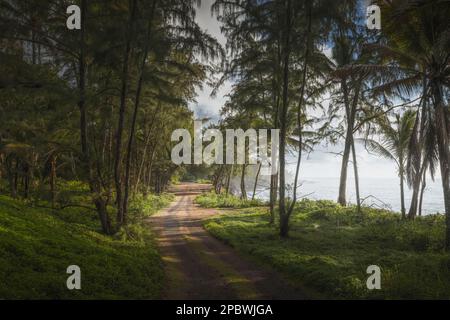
[(199, 266)]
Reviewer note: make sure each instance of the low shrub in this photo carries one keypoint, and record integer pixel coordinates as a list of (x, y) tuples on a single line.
[(213, 200)]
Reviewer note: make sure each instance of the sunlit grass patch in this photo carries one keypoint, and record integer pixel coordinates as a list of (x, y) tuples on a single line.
[(38, 244), (213, 200), (329, 249)]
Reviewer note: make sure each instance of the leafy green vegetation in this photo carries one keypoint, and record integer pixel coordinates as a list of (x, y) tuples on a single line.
[(144, 206), (89, 119), (203, 181), (213, 200), (330, 247), (38, 244)]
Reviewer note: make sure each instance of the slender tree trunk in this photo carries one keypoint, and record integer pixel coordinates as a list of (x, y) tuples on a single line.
[(123, 97), (100, 205), (415, 198), (27, 180), (33, 43), (135, 112), (158, 182), (422, 191), (243, 191), (402, 188), (217, 182), (53, 179), (342, 200), (273, 196), (256, 181), (299, 108), (220, 183), (150, 168), (284, 219), (350, 115), (10, 175), (356, 174), (13, 184), (276, 123), (1, 164), (417, 169), (146, 145), (141, 165), (230, 174), (86, 159), (416, 166), (16, 176), (442, 118)]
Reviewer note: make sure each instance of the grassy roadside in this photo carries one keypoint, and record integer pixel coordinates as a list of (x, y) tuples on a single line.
[(329, 249), (213, 200), (37, 245)]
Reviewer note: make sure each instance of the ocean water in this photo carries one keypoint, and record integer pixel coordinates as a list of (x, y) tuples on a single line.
[(375, 192)]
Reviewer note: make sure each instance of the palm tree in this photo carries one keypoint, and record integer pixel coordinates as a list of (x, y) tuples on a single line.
[(417, 56), (394, 145)]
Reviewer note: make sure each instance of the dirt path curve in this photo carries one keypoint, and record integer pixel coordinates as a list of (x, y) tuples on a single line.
[(199, 266)]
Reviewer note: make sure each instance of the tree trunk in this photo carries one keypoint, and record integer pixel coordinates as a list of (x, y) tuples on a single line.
[(16, 176), (344, 167), (402, 189), (217, 181), (10, 175), (230, 174), (355, 170), (284, 221), (1, 164), (33, 43), (299, 109), (144, 157), (415, 198), (256, 181), (243, 191), (135, 112), (273, 196), (350, 112), (415, 171), (27, 180), (442, 118), (103, 215), (150, 169), (94, 186), (422, 191), (53, 179), (123, 96), (276, 102)]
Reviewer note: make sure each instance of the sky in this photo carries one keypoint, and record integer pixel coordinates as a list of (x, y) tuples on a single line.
[(322, 162)]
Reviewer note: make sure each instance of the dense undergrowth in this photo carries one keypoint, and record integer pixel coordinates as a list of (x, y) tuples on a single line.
[(330, 248), (38, 243)]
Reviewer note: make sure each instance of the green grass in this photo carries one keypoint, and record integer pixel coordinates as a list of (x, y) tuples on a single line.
[(213, 200), (203, 181), (142, 207), (38, 244), (330, 248)]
